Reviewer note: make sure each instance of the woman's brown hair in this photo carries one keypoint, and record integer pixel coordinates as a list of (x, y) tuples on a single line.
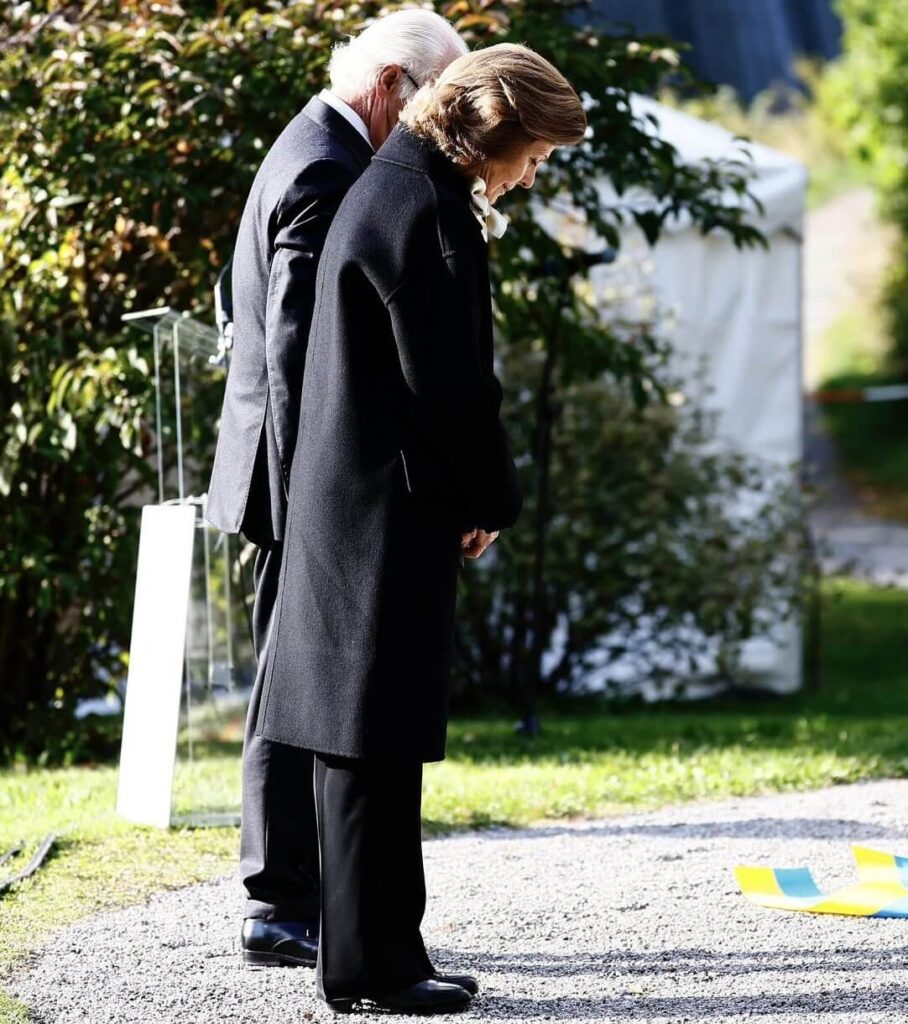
[(488, 103)]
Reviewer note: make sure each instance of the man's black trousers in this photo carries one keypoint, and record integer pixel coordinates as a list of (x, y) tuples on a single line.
[(278, 836), (333, 839)]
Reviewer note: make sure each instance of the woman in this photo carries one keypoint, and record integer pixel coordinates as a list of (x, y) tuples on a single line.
[(401, 466)]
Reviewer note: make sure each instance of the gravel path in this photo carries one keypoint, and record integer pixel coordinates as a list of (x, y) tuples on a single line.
[(626, 919)]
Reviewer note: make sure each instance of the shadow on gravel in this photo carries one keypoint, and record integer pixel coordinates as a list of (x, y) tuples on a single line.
[(699, 1008), (841, 829), (612, 965)]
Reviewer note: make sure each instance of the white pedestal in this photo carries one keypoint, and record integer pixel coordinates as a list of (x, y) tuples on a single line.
[(152, 711)]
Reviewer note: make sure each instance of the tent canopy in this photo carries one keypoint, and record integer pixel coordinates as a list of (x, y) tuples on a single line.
[(777, 181)]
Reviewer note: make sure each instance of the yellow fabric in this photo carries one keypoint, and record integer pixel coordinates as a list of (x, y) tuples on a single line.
[(875, 866), (878, 888)]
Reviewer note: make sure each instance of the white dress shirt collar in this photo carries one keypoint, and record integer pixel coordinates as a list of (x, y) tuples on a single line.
[(347, 112)]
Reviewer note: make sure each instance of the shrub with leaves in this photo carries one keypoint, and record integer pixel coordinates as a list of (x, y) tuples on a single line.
[(131, 134), (866, 94), (663, 552)]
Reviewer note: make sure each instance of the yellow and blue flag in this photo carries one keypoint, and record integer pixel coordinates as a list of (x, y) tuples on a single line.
[(881, 889)]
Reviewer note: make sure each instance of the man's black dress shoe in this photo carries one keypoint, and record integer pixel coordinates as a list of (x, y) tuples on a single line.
[(430, 996), (279, 943), (466, 981)]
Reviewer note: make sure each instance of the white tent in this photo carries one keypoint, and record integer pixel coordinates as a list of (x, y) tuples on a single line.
[(736, 313)]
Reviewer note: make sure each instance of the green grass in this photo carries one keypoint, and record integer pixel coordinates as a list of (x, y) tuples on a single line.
[(12, 1011), (583, 764)]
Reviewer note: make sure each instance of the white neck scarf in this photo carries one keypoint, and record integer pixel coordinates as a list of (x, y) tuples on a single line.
[(490, 220)]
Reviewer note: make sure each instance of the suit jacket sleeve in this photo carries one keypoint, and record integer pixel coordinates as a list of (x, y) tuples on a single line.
[(454, 395), (302, 221)]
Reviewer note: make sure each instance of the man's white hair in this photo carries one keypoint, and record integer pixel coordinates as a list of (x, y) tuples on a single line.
[(422, 42)]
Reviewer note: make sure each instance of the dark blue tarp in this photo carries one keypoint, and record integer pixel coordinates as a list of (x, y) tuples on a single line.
[(749, 44)]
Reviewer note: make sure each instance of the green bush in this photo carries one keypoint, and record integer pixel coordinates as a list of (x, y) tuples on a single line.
[(640, 535), (866, 93), (131, 134), (647, 555)]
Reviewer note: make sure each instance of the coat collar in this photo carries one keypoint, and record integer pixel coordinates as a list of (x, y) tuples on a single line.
[(404, 147), (325, 117)]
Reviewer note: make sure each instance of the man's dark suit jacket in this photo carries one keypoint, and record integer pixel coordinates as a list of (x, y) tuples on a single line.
[(400, 448), (293, 200)]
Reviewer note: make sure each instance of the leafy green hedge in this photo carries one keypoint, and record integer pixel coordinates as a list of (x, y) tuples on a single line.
[(866, 93), (132, 133)]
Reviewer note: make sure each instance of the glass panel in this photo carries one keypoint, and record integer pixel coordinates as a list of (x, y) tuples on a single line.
[(190, 370)]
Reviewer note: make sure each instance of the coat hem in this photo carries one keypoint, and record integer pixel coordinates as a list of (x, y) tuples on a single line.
[(267, 734)]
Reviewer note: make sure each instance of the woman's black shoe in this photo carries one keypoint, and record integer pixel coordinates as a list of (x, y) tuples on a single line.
[(466, 981), (430, 996), (279, 943)]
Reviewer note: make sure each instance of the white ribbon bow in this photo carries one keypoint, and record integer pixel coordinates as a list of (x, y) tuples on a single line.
[(490, 220)]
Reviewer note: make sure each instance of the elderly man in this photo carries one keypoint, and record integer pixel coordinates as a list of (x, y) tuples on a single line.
[(293, 200)]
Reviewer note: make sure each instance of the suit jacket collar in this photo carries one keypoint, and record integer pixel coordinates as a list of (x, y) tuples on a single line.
[(329, 119), (404, 147)]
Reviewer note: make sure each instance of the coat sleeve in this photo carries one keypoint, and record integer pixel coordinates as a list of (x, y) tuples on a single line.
[(302, 221), (460, 448)]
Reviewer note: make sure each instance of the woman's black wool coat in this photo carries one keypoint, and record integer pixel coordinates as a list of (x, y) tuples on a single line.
[(400, 449)]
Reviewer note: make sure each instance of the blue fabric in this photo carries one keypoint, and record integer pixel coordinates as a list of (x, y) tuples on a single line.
[(815, 27), (897, 909), (748, 45), (797, 882), (901, 864)]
